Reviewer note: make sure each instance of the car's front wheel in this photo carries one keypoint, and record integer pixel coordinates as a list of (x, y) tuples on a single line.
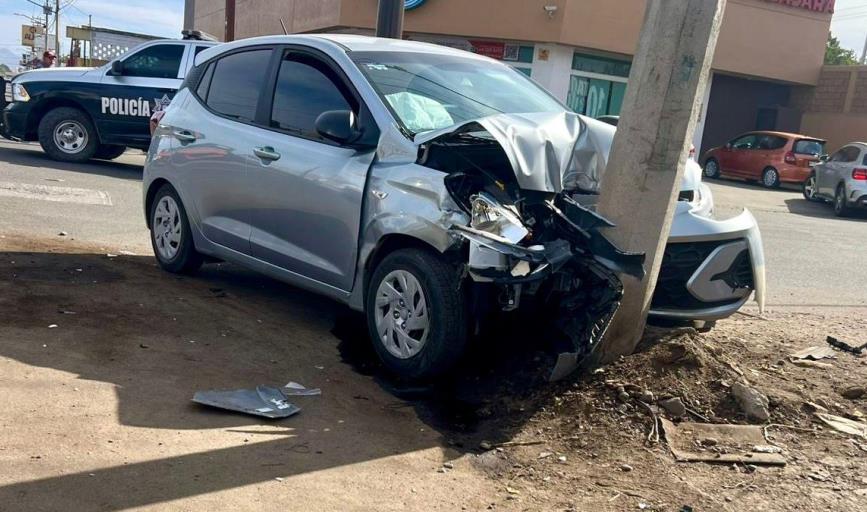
[(808, 188), (67, 134), (171, 237), (711, 169), (416, 313)]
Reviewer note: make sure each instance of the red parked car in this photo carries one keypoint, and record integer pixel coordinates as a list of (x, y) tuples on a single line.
[(772, 157)]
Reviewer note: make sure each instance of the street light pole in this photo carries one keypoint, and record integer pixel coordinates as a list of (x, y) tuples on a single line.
[(389, 19)]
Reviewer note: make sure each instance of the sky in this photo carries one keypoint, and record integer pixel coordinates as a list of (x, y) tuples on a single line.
[(165, 17)]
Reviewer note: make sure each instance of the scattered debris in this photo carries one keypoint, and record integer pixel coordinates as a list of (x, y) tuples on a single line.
[(561, 459), (751, 401), (52, 326), (853, 392), (625, 468), (295, 389), (674, 406), (842, 345), (448, 465), (62, 233), (808, 363), (845, 425), (262, 401), (814, 353), (144, 345), (485, 445), (767, 448), (738, 440), (708, 441)]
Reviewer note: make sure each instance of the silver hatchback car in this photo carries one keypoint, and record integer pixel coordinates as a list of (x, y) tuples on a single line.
[(428, 187), (840, 178)]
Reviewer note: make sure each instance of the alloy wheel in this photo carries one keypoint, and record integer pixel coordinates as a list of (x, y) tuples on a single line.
[(167, 228), (769, 178), (711, 169), (810, 188), (402, 321)]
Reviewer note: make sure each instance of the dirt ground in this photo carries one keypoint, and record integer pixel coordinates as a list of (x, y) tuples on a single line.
[(100, 354)]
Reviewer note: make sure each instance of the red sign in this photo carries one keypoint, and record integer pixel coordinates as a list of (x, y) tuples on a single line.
[(492, 49), (810, 5)]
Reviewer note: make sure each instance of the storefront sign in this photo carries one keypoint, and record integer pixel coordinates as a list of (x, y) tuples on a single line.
[(811, 5), (495, 49)]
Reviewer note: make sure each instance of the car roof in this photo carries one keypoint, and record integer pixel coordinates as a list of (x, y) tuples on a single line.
[(788, 135), (345, 42)]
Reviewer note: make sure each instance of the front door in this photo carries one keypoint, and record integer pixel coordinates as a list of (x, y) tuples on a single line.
[(737, 156), (148, 81), (307, 213)]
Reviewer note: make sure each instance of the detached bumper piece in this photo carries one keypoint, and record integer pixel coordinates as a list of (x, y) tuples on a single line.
[(568, 265)]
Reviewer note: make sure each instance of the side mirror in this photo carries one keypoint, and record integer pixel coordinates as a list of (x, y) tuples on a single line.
[(338, 126), (117, 67), (824, 158)]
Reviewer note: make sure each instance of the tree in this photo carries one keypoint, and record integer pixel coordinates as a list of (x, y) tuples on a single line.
[(837, 55)]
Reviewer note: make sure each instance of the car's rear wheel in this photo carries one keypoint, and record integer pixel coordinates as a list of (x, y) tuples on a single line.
[(770, 178), (67, 134), (841, 209), (711, 169), (416, 314), (171, 237), (808, 188), (108, 151)]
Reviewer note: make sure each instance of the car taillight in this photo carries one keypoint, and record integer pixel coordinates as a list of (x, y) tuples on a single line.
[(790, 158), (859, 174)]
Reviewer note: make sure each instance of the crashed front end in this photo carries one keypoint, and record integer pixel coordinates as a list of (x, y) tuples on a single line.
[(519, 235)]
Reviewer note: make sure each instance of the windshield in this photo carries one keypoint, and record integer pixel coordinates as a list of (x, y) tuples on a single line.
[(427, 91)]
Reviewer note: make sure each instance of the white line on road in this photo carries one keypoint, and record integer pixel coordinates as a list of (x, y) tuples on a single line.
[(56, 194)]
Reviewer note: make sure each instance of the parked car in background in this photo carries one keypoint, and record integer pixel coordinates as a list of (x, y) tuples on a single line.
[(81, 113), (769, 157), (429, 187), (840, 178)]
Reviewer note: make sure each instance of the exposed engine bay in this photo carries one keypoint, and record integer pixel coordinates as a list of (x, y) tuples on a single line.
[(531, 245)]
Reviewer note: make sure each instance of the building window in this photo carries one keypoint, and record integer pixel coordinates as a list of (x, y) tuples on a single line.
[(597, 85)]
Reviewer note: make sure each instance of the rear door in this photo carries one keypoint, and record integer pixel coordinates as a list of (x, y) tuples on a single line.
[(306, 216), (213, 128), (151, 76)]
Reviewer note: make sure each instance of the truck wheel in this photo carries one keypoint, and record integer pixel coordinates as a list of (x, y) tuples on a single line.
[(416, 314), (108, 151), (67, 134), (171, 237)]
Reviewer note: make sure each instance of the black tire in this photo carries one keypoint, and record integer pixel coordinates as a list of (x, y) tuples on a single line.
[(841, 209), (72, 117), (186, 259), (446, 311), (770, 178), (808, 188), (711, 169), (108, 151)]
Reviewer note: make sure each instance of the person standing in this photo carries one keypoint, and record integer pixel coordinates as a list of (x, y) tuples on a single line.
[(47, 60)]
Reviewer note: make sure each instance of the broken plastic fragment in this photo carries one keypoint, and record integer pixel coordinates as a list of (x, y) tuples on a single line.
[(262, 401), (296, 389)]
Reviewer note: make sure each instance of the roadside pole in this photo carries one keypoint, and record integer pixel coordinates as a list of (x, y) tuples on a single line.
[(649, 153), (57, 31), (389, 19)]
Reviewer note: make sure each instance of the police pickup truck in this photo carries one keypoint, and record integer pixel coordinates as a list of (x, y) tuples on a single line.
[(81, 113)]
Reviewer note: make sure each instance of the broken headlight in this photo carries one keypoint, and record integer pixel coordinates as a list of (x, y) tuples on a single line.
[(491, 217)]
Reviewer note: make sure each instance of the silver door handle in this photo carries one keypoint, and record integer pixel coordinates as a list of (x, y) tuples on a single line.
[(184, 135), (266, 153)]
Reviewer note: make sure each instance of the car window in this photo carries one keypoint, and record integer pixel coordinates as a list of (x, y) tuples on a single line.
[(745, 142), (205, 82), (200, 49), (864, 160), (305, 89), (158, 61), (808, 147), (846, 154), (236, 84), (770, 142)]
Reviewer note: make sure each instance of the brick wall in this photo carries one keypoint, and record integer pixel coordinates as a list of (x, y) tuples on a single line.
[(859, 97), (836, 109)]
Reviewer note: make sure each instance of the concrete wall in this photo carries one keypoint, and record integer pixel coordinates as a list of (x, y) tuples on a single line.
[(758, 38), (836, 109)]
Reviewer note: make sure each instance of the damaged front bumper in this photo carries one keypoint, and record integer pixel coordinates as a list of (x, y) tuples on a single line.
[(710, 267)]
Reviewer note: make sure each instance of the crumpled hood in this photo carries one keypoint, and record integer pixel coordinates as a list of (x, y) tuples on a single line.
[(549, 151)]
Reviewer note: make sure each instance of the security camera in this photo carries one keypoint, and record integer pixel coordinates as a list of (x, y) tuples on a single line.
[(550, 10)]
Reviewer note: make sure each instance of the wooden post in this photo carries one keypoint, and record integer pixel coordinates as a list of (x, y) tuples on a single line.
[(648, 156)]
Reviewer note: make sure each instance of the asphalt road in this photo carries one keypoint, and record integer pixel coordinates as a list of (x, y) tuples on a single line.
[(814, 260)]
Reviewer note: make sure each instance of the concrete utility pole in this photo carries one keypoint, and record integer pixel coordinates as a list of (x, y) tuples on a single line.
[(389, 20), (864, 52), (230, 21), (640, 187)]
